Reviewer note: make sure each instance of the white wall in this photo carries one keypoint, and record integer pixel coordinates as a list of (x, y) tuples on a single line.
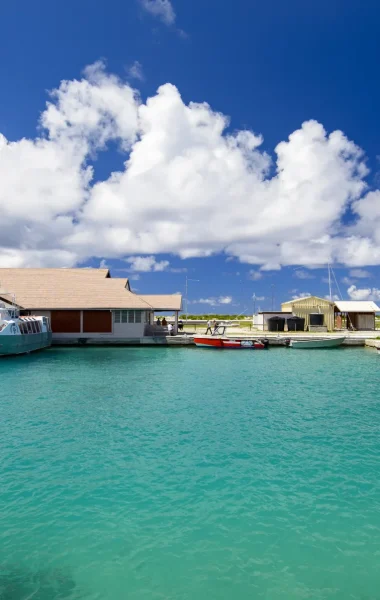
[(128, 330), (260, 321)]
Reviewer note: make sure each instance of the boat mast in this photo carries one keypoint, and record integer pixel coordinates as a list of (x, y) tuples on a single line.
[(329, 272)]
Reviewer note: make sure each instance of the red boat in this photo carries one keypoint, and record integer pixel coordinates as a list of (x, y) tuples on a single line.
[(217, 340)]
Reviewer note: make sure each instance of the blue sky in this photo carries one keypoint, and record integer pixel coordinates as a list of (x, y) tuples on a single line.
[(269, 67)]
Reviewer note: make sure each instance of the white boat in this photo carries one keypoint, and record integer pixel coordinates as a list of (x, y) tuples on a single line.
[(20, 335), (312, 344)]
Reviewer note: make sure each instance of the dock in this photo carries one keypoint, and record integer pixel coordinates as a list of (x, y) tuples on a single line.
[(373, 343), (357, 338)]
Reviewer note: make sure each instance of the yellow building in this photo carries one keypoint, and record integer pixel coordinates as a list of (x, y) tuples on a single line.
[(312, 305)]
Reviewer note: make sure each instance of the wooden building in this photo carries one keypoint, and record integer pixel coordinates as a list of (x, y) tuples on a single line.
[(358, 315), (85, 303), (304, 307)]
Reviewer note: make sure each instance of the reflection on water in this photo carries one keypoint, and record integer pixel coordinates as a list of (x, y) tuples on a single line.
[(48, 584)]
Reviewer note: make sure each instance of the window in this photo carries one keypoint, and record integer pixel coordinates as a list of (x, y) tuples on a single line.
[(46, 323), (129, 316)]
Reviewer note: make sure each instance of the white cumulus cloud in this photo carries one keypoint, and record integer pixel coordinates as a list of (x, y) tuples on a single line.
[(162, 9), (302, 274), (301, 295), (136, 71), (214, 301), (146, 264), (363, 293), (254, 275), (225, 299), (360, 273), (188, 187)]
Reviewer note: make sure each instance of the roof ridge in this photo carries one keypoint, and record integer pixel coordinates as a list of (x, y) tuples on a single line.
[(306, 297)]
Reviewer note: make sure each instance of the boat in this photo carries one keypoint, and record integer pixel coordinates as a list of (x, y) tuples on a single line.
[(21, 335), (313, 344), (213, 342), (219, 340)]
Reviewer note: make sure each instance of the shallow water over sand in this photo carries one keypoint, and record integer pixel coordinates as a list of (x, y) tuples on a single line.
[(181, 473)]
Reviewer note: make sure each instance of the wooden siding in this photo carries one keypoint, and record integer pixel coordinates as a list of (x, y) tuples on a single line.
[(97, 321), (361, 321), (65, 321), (312, 304)]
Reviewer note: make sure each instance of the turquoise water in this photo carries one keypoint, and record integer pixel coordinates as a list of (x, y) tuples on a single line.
[(190, 474)]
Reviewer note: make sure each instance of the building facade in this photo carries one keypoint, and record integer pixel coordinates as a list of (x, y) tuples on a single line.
[(86, 304), (358, 315), (304, 307), (343, 314)]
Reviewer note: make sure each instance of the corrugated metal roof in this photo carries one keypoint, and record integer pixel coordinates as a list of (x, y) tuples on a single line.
[(364, 306), (274, 312), (38, 289), (306, 298)]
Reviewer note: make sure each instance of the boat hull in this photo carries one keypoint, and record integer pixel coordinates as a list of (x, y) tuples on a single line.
[(22, 344), (315, 344), (227, 344)]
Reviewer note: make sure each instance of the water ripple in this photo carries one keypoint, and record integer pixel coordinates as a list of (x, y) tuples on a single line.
[(181, 474)]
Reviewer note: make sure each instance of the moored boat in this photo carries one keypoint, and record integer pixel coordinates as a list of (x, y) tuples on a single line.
[(314, 344), (218, 340), (20, 335)]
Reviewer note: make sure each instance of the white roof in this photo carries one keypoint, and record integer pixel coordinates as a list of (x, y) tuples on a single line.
[(364, 306)]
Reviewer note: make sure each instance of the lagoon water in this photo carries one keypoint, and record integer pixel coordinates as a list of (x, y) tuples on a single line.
[(177, 473)]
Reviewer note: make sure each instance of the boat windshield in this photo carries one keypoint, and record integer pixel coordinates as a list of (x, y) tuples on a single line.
[(220, 330), (7, 314)]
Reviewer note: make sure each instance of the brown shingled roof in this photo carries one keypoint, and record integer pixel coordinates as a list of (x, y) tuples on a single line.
[(38, 289), (164, 301)]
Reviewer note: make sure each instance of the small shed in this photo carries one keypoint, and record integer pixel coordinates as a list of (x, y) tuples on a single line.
[(304, 307), (260, 321), (356, 314)]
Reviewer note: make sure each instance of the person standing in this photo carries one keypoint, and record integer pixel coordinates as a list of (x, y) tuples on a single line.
[(170, 329), (209, 329)]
